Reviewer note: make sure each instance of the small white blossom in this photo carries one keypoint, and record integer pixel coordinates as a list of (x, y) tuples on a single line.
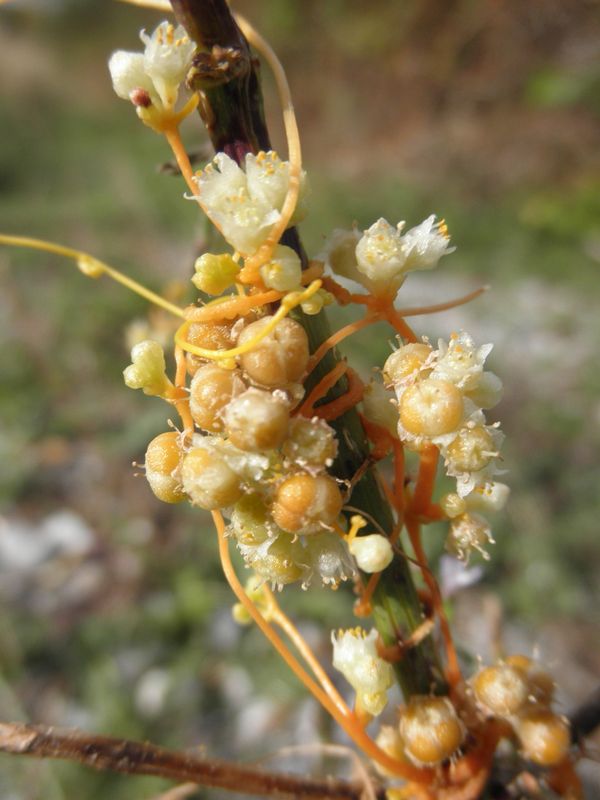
[(128, 73), (159, 70), (469, 532), (425, 244), (244, 205), (355, 656), (380, 254), (489, 497), (460, 362), (373, 553), (339, 254)]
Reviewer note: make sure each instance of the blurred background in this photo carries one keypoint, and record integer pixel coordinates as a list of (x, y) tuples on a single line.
[(113, 613)]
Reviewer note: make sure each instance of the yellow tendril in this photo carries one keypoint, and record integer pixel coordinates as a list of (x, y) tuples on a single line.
[(93, 268), (288, 302)]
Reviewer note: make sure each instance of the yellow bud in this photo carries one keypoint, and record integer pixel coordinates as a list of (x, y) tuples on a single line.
[(214, 273), (430, 729), (545, 737), (163, 460), (501, 689)]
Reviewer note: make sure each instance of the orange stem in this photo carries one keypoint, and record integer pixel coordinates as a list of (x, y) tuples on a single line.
[(349, 724), (434, 309), (236, 306), (336, 338), (320, 390), (345, 402), (423, 493), (453, 673), (280, 618)]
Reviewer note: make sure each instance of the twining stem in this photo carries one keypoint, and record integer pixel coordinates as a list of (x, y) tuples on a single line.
[(142, 758), (349, 723), (278, 616), (92, 267)]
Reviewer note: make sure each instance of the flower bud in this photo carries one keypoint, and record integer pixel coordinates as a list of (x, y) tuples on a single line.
[(147, 370), (208, 480), (390, 741), (209, 336), (214, 273), (501, 690), (373, 553), (541, 684), (163, 460), (279, 561), (306, 503), (406, 362), (453, 505), (284, 271), (310, 442), (545, 737), (257, 420), (430, 729), (278, 359), (211, 390), (431, 408)]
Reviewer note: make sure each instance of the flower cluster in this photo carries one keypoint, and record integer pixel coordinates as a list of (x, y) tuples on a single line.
[(441, 396), (252, 456), (152, 80), (244, 204), (381, 257)]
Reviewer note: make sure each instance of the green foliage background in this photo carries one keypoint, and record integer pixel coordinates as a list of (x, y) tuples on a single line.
[(486, 114)]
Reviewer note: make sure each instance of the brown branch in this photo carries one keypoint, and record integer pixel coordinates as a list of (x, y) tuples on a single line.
[(586, 717), (142, 758)]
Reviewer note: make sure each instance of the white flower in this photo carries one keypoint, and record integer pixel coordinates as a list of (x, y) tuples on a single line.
[(469, 532), (355, 656), (339, 254), (380, 254), (159, 70), (373, 553), (460, 362), (244, 205), (490, 497), (425, 244), (472, 455), (128, 73)]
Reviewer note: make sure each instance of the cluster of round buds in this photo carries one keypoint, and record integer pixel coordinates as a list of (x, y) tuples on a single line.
[(152, 80), (441, 396), (355, 656), (520, 692), (249, 455), (381, 257)]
